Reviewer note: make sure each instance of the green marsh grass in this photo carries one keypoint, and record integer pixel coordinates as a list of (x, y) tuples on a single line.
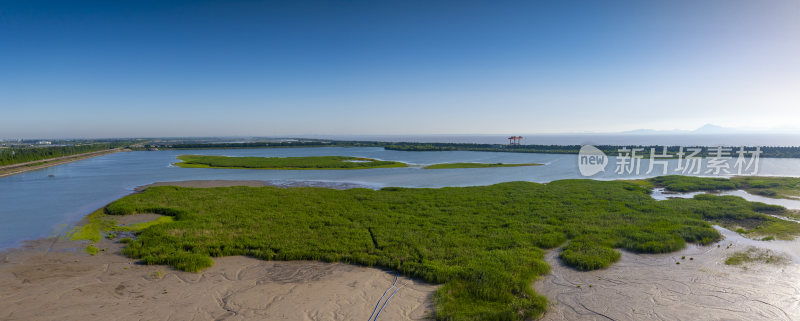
[(756, 255), (96, 224), (484, 243), (776, 187), (99, 225), (92, 250), (679, 183)]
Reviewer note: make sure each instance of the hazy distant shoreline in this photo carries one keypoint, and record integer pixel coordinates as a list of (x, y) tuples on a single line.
[(732, 139)]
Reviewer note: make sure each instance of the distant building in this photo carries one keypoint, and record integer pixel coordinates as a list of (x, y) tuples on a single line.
[(44, 142)]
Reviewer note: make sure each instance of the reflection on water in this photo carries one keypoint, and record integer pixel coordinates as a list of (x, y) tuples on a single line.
[(790, 248), (661, 194), (34, 204)]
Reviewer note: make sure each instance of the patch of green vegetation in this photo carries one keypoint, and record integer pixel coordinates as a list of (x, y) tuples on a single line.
[(589, 253), (484, 243), (141, 226), (91, 249), (156, 275), (476, 165), (795, 214), (776, 229), (737, 214), (315, 162), (755, 255), (646, 183), (777, 187), (679, 183), (96, 224)]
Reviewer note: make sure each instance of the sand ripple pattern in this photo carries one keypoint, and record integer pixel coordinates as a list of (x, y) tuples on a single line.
[(55, 285), (654, 287)]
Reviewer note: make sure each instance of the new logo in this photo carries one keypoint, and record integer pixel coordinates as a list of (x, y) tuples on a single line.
[(591, 160)]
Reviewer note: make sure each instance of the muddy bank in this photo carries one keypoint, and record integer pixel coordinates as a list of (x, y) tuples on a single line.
[(54, 280), (655, 287)]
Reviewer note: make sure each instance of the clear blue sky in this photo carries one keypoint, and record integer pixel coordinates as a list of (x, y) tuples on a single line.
[(199, 68)]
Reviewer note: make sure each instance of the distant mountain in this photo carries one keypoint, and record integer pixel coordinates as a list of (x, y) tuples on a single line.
[(655, 132), (714, 129), (705, 129)]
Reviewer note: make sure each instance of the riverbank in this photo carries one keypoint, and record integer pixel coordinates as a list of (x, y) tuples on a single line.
[(40, 164), (50, 279)]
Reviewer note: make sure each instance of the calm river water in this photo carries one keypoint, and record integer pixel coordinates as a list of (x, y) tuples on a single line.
[(46, 202)]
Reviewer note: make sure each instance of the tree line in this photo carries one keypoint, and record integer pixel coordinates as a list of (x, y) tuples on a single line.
[(611, 150), (16, 155), (206, 145)]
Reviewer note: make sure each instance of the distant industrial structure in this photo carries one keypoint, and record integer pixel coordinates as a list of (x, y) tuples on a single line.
[(514, 140)]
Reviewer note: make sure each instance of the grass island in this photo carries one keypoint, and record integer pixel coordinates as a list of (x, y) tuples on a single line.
[(286, 163), (314, 162), (476, 165)]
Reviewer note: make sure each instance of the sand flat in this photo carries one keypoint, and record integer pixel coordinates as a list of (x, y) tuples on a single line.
[(654, 287), (53, 281)]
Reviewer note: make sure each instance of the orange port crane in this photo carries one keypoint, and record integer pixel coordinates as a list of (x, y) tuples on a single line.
[(514, 140)]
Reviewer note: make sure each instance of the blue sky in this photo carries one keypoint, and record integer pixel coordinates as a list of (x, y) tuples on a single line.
[(201, 68)]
